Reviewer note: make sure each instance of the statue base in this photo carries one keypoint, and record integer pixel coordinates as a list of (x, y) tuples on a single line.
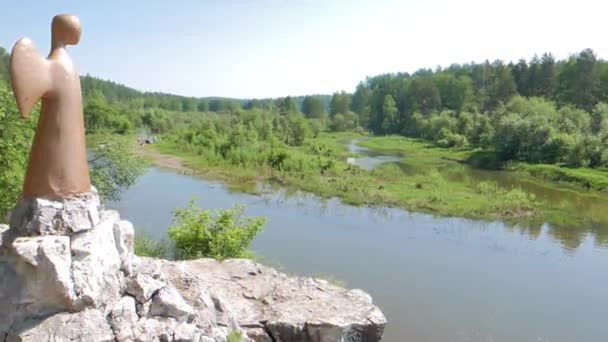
[(66, 216)]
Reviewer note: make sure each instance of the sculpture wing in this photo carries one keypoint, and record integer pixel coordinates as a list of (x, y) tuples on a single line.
[(30, 75)]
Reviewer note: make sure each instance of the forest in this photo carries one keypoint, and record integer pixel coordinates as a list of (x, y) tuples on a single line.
[(538, 111)]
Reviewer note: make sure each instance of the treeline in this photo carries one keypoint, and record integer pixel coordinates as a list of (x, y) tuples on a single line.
[(541, 111), (118, 93), (580, 81)]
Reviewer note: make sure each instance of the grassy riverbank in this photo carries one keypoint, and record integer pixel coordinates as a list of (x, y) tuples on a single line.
[(319, 166), (594, 179), (420, 152), (424, 153)]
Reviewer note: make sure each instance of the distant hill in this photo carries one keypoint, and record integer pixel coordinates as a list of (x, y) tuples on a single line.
[(116, 92)]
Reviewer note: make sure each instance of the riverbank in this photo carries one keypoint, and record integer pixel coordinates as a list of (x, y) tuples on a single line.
[(427, 154), (387, 185)]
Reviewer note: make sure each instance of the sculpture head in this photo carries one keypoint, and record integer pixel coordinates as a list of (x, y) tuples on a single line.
[(65, 30)]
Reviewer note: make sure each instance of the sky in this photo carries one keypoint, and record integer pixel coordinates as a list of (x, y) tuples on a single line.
[(272, 48)]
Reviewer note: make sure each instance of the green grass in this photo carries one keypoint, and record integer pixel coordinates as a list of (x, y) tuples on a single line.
[(150, 247), (426, 154), (336, 142), (566, 197), (236, 178), (423, 153), (594, 179)]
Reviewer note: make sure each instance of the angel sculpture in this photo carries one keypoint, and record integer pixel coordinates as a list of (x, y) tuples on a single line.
[(58, 160)]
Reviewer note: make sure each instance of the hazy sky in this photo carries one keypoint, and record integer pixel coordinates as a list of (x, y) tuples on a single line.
[(270, 48)]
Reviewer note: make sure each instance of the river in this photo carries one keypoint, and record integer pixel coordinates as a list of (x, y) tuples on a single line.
[(435, 278)]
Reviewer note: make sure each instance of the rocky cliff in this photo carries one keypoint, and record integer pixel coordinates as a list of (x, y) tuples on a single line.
[(68, 273)]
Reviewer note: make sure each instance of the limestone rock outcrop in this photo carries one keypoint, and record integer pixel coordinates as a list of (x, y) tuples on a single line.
[(68, 273), (39, 216)]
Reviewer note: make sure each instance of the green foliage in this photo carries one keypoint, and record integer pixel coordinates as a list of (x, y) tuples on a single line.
[(344, 122), (340, 103), (115, 93), (455, 91), (4, 58), (286, 105), (148, 247), (198, 233), (561, 119), (532, 130), (361, 103), (313, 107), (234, 336), (296, 129), (502, 88), (319, 166), (100, 117), (248, 138), (389, 114), (316, 126), (580, 81), (423, 95), (588, 178), (16, 135), (114, 164), (510, 201)]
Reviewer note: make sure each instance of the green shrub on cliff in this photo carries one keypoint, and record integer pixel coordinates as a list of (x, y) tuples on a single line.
[(147, 246), (199, 233)]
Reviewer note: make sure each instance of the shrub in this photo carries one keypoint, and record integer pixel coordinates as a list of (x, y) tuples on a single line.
[(514, 201), (234, 336), (198, 233), (449, 139), (148, 247)]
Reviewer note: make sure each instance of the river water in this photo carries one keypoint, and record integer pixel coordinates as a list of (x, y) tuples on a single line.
[(435, 278)]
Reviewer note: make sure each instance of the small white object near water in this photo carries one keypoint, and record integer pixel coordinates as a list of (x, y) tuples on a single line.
[(350, 160)]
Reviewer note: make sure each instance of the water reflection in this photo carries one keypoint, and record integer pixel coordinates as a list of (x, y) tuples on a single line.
[(569, 237), (367, 159)]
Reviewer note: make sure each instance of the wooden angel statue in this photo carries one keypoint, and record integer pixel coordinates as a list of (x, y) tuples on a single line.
[(58, 160)]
